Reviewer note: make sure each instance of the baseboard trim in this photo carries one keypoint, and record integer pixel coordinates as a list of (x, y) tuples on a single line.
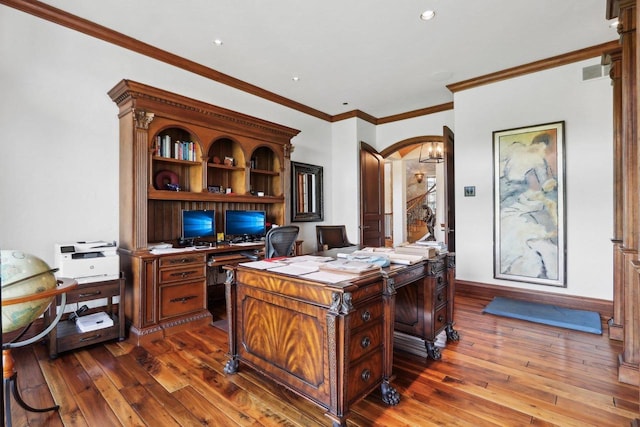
[(488, 292)]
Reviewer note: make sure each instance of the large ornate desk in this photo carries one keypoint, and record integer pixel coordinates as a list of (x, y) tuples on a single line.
[(331, 343)]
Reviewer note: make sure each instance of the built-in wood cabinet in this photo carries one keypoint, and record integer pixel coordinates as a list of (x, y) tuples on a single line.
[(179, 153)]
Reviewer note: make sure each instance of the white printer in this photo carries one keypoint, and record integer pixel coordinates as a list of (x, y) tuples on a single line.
[(88, 261)]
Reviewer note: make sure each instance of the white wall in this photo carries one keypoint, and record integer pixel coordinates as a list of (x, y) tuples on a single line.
[(59, 161), (549, 96)]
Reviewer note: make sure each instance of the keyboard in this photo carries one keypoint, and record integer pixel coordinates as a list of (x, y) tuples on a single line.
[(247, 244)]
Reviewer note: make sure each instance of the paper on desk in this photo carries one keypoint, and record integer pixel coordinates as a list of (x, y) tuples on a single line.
[(262, 265), (307, 258), (295, 269), (328, 277)]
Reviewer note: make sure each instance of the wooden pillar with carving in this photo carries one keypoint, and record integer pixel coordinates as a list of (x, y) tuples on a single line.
[(629, 359), (613, 58)]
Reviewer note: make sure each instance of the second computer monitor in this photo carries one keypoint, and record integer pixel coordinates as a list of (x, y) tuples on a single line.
[(245, 224)]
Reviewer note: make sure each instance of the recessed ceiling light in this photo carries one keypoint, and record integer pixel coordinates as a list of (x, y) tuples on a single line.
[(295, 78), (217, 42), (427, 15)]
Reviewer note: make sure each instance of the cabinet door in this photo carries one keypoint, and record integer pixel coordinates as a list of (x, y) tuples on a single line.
[(410, 307)]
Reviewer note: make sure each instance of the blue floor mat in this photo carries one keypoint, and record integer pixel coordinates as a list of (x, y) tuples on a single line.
[(579, 320)]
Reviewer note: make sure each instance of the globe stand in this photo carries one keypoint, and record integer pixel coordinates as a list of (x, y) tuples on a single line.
[(10, 378), (9, 373)]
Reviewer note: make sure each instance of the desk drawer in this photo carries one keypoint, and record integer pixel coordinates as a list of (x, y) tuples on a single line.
[(440, 296), (182, 259), (90, 291), (365, 340), (188, 272), (363, 376), (439, 320), (367, 313), (176, 300)]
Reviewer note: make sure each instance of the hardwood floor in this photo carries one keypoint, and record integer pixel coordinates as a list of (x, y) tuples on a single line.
[(502, 372)]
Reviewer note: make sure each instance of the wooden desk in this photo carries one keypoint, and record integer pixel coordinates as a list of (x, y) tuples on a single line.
[(167, 292), (330, 343)]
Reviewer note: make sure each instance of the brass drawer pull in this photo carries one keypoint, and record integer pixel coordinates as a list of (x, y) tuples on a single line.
[(181, 260), (183, 299), (440, 297), (89, 294), (365, 375), (183, 274), (366, 316), (365, 342), (91, 338), (440, 318)]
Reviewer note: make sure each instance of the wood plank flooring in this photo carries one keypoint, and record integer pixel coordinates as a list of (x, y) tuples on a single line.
[(502, 372)]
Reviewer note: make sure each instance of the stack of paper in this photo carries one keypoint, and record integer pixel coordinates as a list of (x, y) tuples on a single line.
[(411, 249), (348, 266)]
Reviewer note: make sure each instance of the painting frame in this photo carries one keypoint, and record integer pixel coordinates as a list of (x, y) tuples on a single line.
[(529, 204)]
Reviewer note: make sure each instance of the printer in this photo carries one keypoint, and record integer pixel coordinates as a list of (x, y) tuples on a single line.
[(88, 262)]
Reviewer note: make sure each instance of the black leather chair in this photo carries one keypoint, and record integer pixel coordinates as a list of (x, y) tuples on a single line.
[(281, 241), (332, 236)]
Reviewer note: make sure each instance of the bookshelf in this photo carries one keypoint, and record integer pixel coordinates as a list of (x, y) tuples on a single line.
[(180, 153)]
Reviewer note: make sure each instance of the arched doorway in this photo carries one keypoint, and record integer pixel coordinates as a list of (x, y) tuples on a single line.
[(418, 189)]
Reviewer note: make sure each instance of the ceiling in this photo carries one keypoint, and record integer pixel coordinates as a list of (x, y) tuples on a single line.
[(369, 55)]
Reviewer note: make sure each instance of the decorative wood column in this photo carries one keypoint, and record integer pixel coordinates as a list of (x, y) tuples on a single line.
[(613, 58), (630, 357)]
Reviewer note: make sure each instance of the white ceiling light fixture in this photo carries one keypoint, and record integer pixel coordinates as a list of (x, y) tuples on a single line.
[(427, 15), (295, 78), (217, 42)]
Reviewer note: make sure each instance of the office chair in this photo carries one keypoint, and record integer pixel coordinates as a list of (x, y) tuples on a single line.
[(332, 236), (280, 241)]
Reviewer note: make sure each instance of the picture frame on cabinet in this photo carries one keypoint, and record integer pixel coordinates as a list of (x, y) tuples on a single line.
[(529, 214)]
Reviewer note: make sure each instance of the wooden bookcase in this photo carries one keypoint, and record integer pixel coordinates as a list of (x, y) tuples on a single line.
[(219, 159)]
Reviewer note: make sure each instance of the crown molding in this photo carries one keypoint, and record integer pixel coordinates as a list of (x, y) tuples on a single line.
[(65, 19), (534, 67), (68, 20)]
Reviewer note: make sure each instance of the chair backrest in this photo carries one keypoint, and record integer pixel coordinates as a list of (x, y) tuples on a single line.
[(331, 236), (281, 241)]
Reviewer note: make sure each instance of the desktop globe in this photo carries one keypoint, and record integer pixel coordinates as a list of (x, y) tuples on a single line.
[(23, 275)]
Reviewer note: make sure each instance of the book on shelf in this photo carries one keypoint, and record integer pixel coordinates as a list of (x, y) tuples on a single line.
[(180, 150)]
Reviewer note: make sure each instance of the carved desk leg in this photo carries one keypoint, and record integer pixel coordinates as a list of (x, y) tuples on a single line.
[(231, 295), (390, 395), (432, 351), (452, 334)]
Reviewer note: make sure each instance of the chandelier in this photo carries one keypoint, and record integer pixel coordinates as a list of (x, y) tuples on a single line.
[(434, 152)]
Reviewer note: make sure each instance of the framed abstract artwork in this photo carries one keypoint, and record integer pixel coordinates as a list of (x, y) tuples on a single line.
[(529, 217)]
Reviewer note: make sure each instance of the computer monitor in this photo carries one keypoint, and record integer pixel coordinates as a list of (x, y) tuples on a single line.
[(197, 224), (246, 224)]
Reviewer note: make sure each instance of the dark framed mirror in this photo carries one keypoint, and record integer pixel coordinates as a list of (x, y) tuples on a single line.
[(306, 192)]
